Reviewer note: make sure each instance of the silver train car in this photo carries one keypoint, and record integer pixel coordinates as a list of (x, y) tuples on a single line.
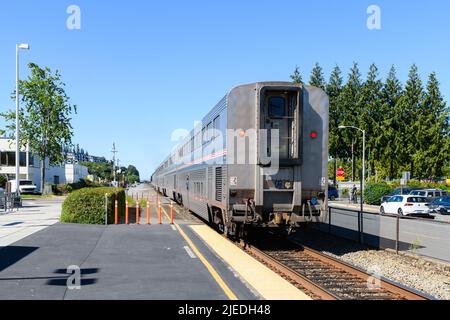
[(259, 158)]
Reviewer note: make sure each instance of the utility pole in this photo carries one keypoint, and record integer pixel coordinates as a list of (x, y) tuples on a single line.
[(114, 151), (120, 171)]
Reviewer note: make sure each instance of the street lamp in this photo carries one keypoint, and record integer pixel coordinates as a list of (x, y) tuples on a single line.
[(23, 46), (364, 154)]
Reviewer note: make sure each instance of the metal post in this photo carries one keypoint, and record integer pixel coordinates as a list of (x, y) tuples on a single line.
[(364, 162), (361, 232), (397, 237), (353, 160), (106, 209), (17, 123), (329, 220)]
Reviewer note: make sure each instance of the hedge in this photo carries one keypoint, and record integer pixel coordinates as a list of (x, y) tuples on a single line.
[(375, 191), (63, 189), (87, 206)]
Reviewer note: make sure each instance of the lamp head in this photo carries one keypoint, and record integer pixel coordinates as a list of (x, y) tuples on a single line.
[(24, 46)]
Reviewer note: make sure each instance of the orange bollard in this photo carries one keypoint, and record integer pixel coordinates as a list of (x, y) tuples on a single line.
[(126, 213), (116, 212), (160, 213), (137, 213), (148, 212), (171, 212)]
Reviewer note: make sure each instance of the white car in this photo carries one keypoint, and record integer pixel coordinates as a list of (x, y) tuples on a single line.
[(406, 205)]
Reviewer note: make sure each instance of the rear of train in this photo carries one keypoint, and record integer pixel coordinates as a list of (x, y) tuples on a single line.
[(282, 181)]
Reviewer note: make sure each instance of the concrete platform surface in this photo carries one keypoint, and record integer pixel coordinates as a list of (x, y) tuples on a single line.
[(116, 262)]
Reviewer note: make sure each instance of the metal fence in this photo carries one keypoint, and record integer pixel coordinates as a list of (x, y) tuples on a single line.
[(10, 201), (421, 236)]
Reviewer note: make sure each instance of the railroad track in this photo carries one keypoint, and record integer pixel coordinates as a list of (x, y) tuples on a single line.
[(324, 277), (321, 276)]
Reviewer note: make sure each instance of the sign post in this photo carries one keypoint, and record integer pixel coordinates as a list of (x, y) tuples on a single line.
[(406, 176)]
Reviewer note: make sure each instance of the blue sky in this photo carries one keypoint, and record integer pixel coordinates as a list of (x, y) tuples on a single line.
[(140, 69)]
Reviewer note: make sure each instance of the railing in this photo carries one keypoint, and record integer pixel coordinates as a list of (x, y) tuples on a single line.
[(400, 233), (10, 201)]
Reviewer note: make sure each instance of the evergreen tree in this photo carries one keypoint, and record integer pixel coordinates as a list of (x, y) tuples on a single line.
[(317, 78), (334, 90), (409, 127), (392, 92), (371, 115), (350, 111), (296, 76), (432, 124)]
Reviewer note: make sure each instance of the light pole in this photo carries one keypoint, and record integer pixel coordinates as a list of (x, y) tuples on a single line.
[(23, 46), (364, 154)]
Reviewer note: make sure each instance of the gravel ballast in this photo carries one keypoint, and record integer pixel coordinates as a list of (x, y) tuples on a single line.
[(429, 277)]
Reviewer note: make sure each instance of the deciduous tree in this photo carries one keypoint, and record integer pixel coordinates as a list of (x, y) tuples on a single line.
[(45, 116)]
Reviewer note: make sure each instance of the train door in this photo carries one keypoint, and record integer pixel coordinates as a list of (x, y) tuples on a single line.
[(280, 113)]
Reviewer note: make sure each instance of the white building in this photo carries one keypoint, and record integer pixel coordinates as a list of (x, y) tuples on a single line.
[(75, 172), (30, 167)]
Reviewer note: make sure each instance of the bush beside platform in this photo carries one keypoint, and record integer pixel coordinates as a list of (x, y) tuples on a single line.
[(87, 206)]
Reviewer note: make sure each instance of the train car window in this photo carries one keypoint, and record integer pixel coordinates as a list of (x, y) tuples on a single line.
[(204, 135), (216, 126), (277, 107), (209, 132)]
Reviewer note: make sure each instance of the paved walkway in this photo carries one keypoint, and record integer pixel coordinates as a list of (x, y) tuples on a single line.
[(35, 215)]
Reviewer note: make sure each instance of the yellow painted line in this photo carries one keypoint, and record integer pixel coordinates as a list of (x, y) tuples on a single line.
[(266, 282), (208, 266)]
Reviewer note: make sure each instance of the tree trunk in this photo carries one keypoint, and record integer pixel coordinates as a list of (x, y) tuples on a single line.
[(391, 169), (42, 176), (412, 169)]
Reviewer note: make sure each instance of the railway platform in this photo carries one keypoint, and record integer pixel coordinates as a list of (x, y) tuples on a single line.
[(184, 261)]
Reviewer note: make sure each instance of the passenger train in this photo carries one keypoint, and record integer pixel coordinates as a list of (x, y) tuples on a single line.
[(259, 158)]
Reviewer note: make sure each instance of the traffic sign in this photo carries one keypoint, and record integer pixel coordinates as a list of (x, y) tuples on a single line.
[(340, 174)]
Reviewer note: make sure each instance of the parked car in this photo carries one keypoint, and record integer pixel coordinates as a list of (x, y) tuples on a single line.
[(406, 205), (333, 193), (440, 205), (25, 186), (397, 192), (430, 194)]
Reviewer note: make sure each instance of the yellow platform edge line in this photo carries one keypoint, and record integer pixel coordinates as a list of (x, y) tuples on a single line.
[(263, 280), (208, 266)]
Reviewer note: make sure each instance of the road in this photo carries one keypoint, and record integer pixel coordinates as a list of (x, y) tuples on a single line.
[(428, 238)]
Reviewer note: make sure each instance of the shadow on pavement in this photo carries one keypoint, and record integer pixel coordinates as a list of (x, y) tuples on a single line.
[(11, 255)]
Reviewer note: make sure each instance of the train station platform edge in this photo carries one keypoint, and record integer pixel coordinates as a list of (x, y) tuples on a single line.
[(266, 282)]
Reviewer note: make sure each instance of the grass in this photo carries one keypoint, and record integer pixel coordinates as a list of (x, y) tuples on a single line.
[(132, 202), (36, 196)]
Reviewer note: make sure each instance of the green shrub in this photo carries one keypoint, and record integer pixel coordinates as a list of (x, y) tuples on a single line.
[(375, 191), (64, 189), (87, 206)]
